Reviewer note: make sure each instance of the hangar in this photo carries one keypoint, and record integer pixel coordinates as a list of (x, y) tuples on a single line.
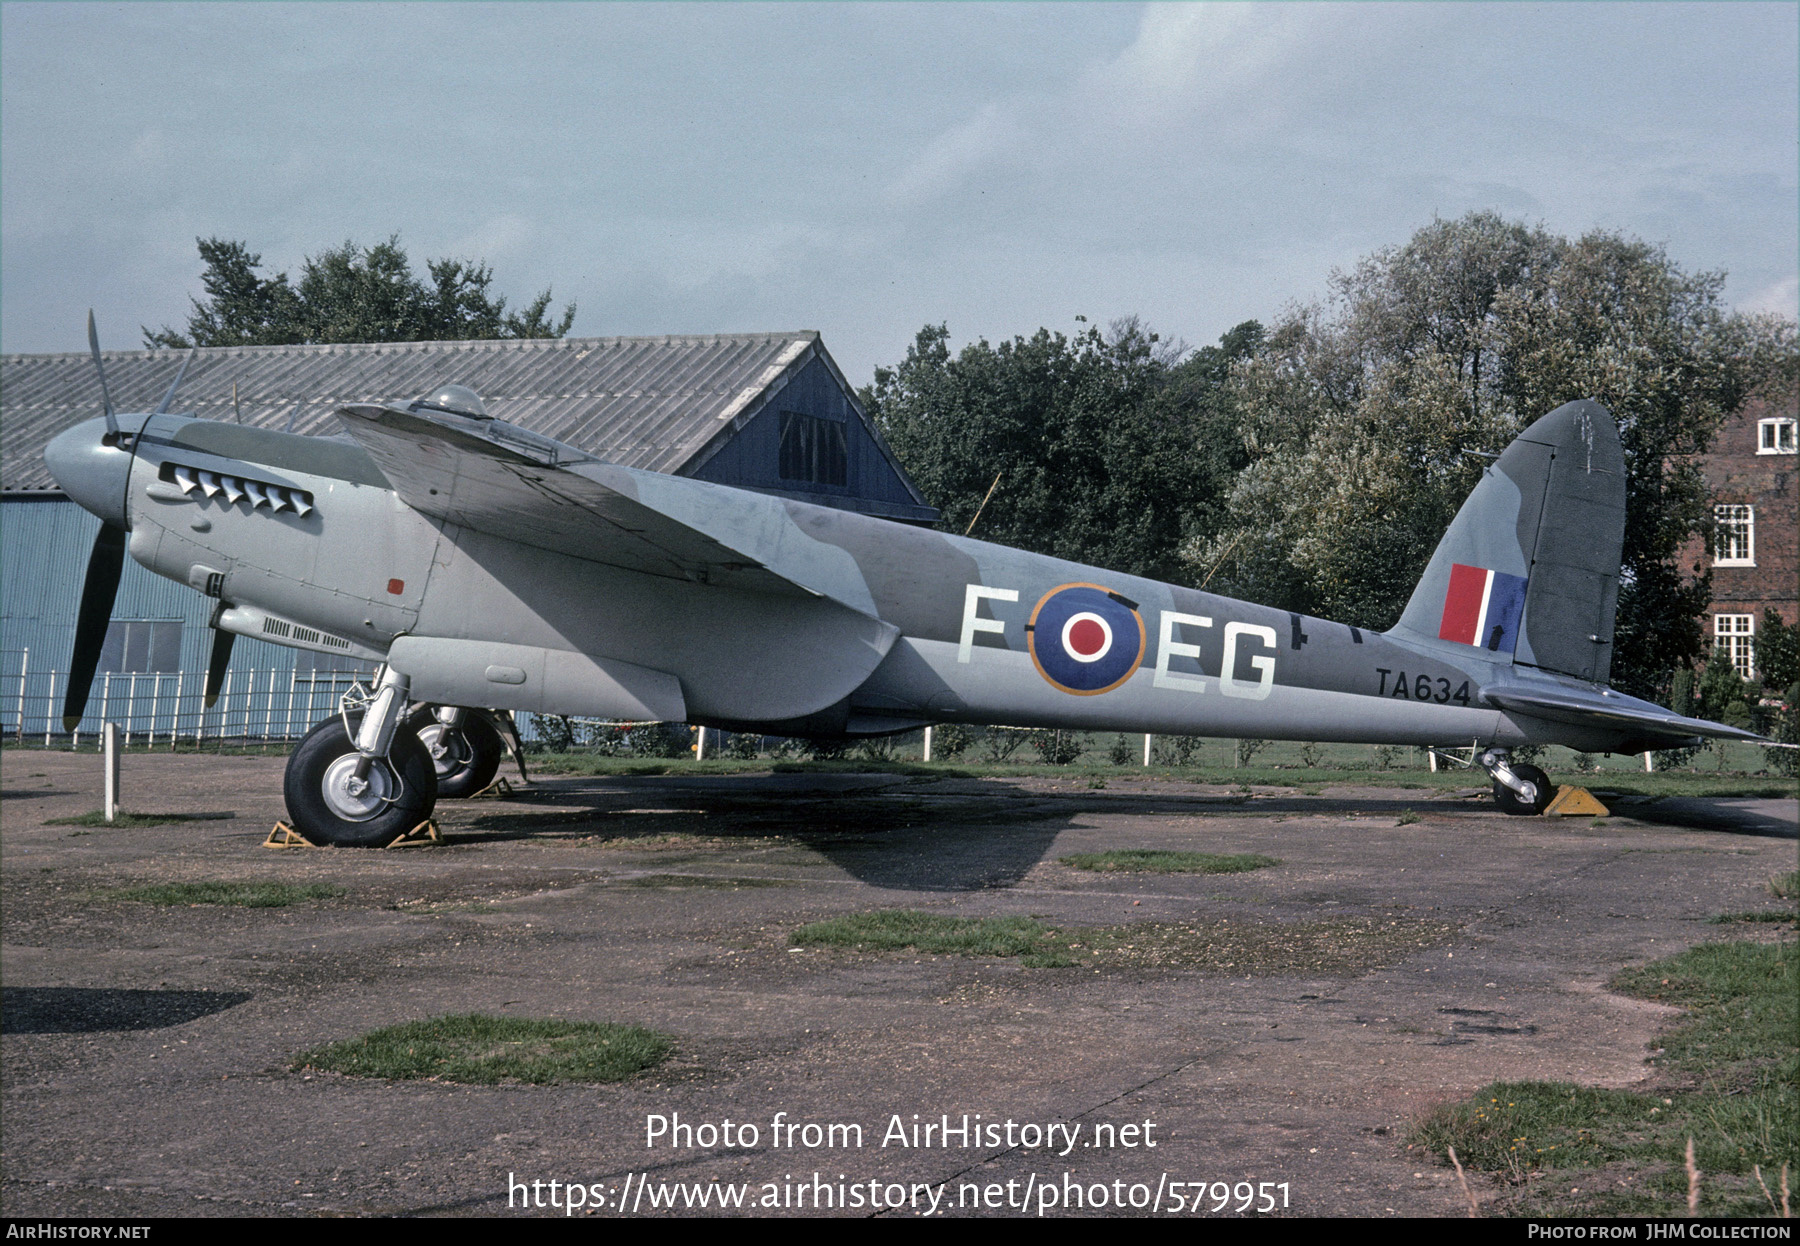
[(763, 411)]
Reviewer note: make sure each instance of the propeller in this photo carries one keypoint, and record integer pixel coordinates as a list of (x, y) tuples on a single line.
[(163, 407), (216, 664), (105, 565), (112, 423)]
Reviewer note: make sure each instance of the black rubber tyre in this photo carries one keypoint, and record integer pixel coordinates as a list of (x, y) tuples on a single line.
[(1509, 801), (402, 789), (472, 752)]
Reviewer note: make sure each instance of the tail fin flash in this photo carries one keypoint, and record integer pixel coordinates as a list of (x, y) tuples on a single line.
[(1529, 571)]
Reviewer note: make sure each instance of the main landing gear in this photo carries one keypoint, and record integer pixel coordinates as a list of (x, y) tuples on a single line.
[(1522, 789), (464, 747), (356, 780)]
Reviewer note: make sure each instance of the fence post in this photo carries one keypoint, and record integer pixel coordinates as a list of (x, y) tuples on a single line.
[(109, 735), (175, 719), (927, 756), (49, 716), (106, 698), (1146, 748), (24, 670)]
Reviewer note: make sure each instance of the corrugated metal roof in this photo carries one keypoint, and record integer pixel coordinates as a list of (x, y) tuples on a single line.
[(660, 403)]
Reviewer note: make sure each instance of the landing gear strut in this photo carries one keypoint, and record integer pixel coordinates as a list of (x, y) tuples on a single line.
[(356, 781), (1522, 789)]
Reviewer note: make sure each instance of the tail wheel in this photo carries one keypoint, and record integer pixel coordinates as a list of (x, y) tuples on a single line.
[(1511, 802), (466, 756), (329, 804)]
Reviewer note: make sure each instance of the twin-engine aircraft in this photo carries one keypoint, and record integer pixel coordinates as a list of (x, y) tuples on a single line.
[(488, 568)]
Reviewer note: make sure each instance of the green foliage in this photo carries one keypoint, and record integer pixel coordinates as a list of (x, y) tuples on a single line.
[(1108, 447), (743, 746), (1121, 753), (1356, 417), (1158, 861), (485, 1050), (1720, 688), (1056, 747), (950, 741), (1175, 750), (350, 294), (1778, 653)]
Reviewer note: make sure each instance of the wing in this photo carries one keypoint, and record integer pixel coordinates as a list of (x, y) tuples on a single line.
[(503, 480), (491, 477), (1612, 710)]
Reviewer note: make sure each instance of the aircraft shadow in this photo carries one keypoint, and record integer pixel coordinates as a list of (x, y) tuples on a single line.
[(88, 1010)]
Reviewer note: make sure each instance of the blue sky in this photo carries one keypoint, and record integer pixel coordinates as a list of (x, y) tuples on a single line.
[(864, 169)]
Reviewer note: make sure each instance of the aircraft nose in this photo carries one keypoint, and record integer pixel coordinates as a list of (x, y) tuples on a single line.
[(91, 471)]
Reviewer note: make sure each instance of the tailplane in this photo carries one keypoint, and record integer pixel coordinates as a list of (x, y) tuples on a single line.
[(1529, 570)]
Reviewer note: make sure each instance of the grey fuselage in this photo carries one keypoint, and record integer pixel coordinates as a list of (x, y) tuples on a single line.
[(917, 626)]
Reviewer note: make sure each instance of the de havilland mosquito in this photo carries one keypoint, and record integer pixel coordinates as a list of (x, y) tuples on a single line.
[(488, 568)]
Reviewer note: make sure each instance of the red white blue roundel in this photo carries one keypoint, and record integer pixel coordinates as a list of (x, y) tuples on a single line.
[(1084, 639)]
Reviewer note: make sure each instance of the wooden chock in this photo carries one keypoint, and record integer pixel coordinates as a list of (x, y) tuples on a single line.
[(1576, 802), (281, 835), (425, 832), (499, 789)]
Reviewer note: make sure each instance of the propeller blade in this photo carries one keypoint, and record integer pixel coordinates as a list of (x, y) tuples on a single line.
[(163, 407), (112, 425), (105, 565), (216, 664)]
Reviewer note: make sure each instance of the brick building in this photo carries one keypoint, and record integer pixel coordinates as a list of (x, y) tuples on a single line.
[(1755, 558)]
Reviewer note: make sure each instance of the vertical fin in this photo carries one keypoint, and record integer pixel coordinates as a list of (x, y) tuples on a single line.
[(1530, 566)]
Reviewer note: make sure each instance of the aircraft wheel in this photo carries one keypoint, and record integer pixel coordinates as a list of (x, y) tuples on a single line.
[(466, 757), (1509, 801), (329, 805)]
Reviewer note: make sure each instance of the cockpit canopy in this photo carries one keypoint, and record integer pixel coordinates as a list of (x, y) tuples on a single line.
[(454, 399)]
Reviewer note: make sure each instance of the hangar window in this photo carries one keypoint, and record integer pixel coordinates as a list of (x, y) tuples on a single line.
[(813, 450), (141, 647)]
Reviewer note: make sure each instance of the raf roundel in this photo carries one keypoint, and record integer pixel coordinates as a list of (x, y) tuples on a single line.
[(1085, 639)]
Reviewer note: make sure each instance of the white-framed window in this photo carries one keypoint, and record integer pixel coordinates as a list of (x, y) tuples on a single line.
[(1775, 436), (1734, 536), (1736, 635)]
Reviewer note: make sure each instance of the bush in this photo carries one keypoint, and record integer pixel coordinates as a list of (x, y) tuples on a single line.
[(1000, 743), (743, 745), (1056, 747), (1175, 750), (1121, 753), (950, 741)]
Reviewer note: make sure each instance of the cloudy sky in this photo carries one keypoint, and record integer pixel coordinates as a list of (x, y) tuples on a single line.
[(864, 169)]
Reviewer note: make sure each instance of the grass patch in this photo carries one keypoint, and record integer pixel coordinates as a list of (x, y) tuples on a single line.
[(1785, 886), (1148, 861), (1754, 915), (1730, 1078), (483, 1051), (243, 895), (136, 821), (1240, 949), (933, 933)]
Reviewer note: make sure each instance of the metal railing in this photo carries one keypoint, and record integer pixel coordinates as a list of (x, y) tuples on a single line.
[(168, 708)]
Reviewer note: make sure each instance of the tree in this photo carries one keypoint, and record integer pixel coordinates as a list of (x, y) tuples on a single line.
[(1091, 438), (1358, 417), (350, 294)]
